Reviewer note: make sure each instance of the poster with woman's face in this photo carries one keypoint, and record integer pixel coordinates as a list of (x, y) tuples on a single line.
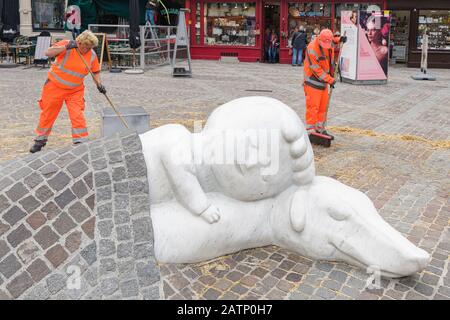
[(375, 26)]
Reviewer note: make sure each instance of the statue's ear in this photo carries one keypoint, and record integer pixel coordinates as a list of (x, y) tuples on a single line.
[(298, 209)]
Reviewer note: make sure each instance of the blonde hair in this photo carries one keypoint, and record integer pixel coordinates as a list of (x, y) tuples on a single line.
[(88, 38)]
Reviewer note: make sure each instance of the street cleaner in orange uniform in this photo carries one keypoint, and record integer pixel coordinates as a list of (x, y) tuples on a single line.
[(65, 83), (318, 77)]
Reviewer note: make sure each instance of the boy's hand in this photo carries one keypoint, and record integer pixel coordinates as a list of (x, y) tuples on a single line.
[(211, 215)]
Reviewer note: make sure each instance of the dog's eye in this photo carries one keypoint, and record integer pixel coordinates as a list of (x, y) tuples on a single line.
[(339, 214)]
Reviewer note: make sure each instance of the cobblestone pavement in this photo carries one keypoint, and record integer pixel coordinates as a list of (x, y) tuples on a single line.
[(392, 143)]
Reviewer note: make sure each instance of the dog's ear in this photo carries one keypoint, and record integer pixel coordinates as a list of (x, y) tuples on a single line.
[(298, 210)]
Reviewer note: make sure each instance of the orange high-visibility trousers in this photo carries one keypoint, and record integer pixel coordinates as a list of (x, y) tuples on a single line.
[(316, 105), (51, 103)]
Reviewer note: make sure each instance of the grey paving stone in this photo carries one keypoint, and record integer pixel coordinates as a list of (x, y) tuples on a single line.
[(105, 228), (38, 270), (4, 203), (4, 249), (131, 144), (147, 272), (9, 266), (121, 217), (121, 202), (142, 229), (44, 193), (104, 194), (124, 250), (99, 164), (18, 235), (5, 182), (28, 251), (109, 286), (3, 228), (129, 288), (88, 179), (30, 203), (79, 189), (119, 174), (90, 201), (21, 173), (63, 224), (59, 181), (338, 276), (135, 164), (89, 253), (151, 293), (14, 215), (102, 179), (36, 164), (115, 157), (107, 265), (65, 159), (143, 251), (105, 211), (77, 168), (140, 204), (19, 284), (51, 209), (79, 212), (138, 187), (48, 170), (124, 233), (121, 188), (65, 198), (17, 192), (107, 247), (56, 282)]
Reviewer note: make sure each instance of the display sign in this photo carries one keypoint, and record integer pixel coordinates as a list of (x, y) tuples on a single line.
[(373, 44), (365, 55), (348, 63)]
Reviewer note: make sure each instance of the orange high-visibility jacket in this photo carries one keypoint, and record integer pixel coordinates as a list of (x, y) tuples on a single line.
[(68, 71), (319, 65)]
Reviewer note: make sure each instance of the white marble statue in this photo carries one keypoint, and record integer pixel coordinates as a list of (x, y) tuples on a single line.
[(248, 180)]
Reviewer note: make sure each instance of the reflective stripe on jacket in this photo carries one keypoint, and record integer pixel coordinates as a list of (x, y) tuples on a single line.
[(319, 66), (68, 71)]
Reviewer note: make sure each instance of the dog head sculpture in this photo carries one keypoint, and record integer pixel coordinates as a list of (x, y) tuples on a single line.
[(331, 221)]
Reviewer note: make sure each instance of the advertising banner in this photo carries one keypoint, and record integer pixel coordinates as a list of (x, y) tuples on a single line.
[(349, 27), (373, 44)]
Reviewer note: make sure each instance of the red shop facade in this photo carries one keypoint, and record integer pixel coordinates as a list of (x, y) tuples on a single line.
[(237, 27)]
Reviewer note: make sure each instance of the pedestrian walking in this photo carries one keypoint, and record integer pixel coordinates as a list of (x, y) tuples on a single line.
[(273, 47), (65, 83), (298, 45)]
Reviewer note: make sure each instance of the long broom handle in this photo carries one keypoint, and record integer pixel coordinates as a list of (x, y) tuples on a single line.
[(106, 96), (335, 73)]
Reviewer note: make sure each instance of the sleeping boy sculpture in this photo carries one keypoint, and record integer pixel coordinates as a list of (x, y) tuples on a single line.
[(248, 180)]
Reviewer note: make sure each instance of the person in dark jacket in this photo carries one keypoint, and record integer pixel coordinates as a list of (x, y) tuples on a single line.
[(298, 45)]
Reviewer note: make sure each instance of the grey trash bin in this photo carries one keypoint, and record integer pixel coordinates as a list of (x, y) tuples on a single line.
[(136, 118)]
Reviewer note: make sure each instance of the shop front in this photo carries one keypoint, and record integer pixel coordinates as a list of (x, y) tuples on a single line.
[(411, 18), (242, 29)]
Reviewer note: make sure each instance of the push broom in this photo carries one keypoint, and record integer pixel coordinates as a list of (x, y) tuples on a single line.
[(106, 96)]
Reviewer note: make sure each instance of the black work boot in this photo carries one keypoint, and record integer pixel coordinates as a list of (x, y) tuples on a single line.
[(38, 145)]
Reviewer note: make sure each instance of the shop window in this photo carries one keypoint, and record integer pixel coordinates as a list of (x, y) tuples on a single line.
[(437, 25), (310, 15), (48, 14), (399, 36), (230, 24), (350, 7)]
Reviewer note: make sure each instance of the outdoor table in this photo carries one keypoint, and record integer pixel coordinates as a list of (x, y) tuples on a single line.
[(18, 47)]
